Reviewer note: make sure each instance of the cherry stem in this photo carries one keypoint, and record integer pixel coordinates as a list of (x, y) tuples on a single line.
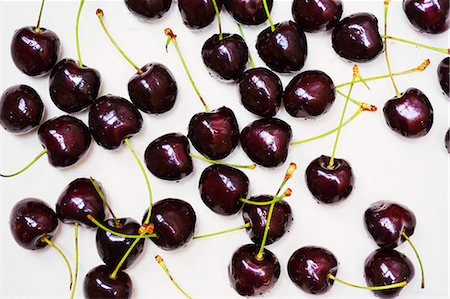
[(418, 258), (216, 8), (441, 50), (172, 37), (376, 288), (386, 55), (44, 151), (266, 203), (38, 25), (241, 32), (266, 8), (106, 229), (247, 225), (105, 202), (80, 61), (163, 265), (350, 98), (53, 245), (251, 166), (125, 256), (100, 15), (76, 262)]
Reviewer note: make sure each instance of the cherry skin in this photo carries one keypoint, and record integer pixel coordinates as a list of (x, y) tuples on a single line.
[(308, 268), (386, 220), (430, 16), (167, 157), (225, 59), (197, 14), (447, 141), (73, 88), (215, 134), (261, 92), (174, 221), (280, 223), (33, 53), (250, 277), (385, 267), (112, 248), (411, 115), (66, 139), (21, 109), (248, 12), (266, 141), (221, 188), (30, 221), (99, 285), (329, 186), (149, 9), (356, 38), (309, 94), (155, 90), (78, 200), (112, 119), (283, 50), (319, 15), (443, 75)]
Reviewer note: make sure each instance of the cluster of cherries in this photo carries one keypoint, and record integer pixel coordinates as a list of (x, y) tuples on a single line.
[(170, 223)]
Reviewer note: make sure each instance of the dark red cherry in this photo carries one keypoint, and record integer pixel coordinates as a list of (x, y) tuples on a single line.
[(317, 15), (167, 157), (112, 248), (215, 134), (309, 267), (386, 220), (66, 139), (411, 115), (30, 221), (197, 14), (35, 53), (149, 9), (112, 119), (447, 141), (73, 88), (280, 223), (99, 285), (78, 200), (356, 38), (21, 109), (221, 188), (283, 50), (155, 90), (309, 94), (248, 12), (261, 92), (385, 267), (430, 16), (251, 277), (225, 58), (266, 141), (329, 185), (443, 75), (174, 221)]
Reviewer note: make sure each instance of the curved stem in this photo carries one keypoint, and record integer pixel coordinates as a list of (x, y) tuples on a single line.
[(38, 25), (105, 202), (350, 98), (80, 61), (163, 265), (76, 262), (106, 229), (125, 256), (216, 8), (265, 203), (250, 57), (44, 151), (53, 245), (418, 258), (251, 166), (247, 225), (386, 55), (377, 288), (441, 50), (266, 8)]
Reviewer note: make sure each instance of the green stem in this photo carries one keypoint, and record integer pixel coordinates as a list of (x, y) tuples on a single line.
[(418, 258), (80, 61), (266, 8), (441, 50), (251, 166), (125, 256), (163, 265), (247, 225), (106, 229), (76, 262), (262, 203), (386, 55), (250, 57), (376, 288), (260, 255), (216, 8), (105, 202), (53, 245), (38, 25), (350, 98), (44, 151)]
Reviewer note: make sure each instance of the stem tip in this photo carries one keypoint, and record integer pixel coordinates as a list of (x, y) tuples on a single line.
[(99, 12)]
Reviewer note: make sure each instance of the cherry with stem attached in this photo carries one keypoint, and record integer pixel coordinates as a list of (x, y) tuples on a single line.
[(248, 12)]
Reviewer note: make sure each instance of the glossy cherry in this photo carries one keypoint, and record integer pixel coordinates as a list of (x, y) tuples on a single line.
[(283, 50), (447, 141), (385, 267), (411, 115), (443, 75), (112, 119), (221, 188), (308, 268), (99, 285), (356, 38), (197, 14), (149, 9), (266, 141), (248, 275), (30, 221), (261, 92), (318, 15), (430, 16), (21, 109), (248, 12), (174, 221), (309, 94)]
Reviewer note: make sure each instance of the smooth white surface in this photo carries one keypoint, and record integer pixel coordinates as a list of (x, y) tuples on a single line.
[(386, 166)]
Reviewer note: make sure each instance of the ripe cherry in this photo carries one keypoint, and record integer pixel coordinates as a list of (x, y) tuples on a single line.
[(248, 12), (428, 16), (318, 15), (149, 9), (98, 284), (443, 75)]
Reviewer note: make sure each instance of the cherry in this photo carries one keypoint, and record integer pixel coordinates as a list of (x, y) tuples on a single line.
[(309, 94), (21, 109), (221, 188), (174, 223), (197, 14), (356, 38), (430, 16), (318, 15), (443, 75), (250, 276), (266, 141), (447, 141), (99, 285), (248, 12), (149, 9)]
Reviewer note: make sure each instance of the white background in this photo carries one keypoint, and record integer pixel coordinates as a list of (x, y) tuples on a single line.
[(386, 166)]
